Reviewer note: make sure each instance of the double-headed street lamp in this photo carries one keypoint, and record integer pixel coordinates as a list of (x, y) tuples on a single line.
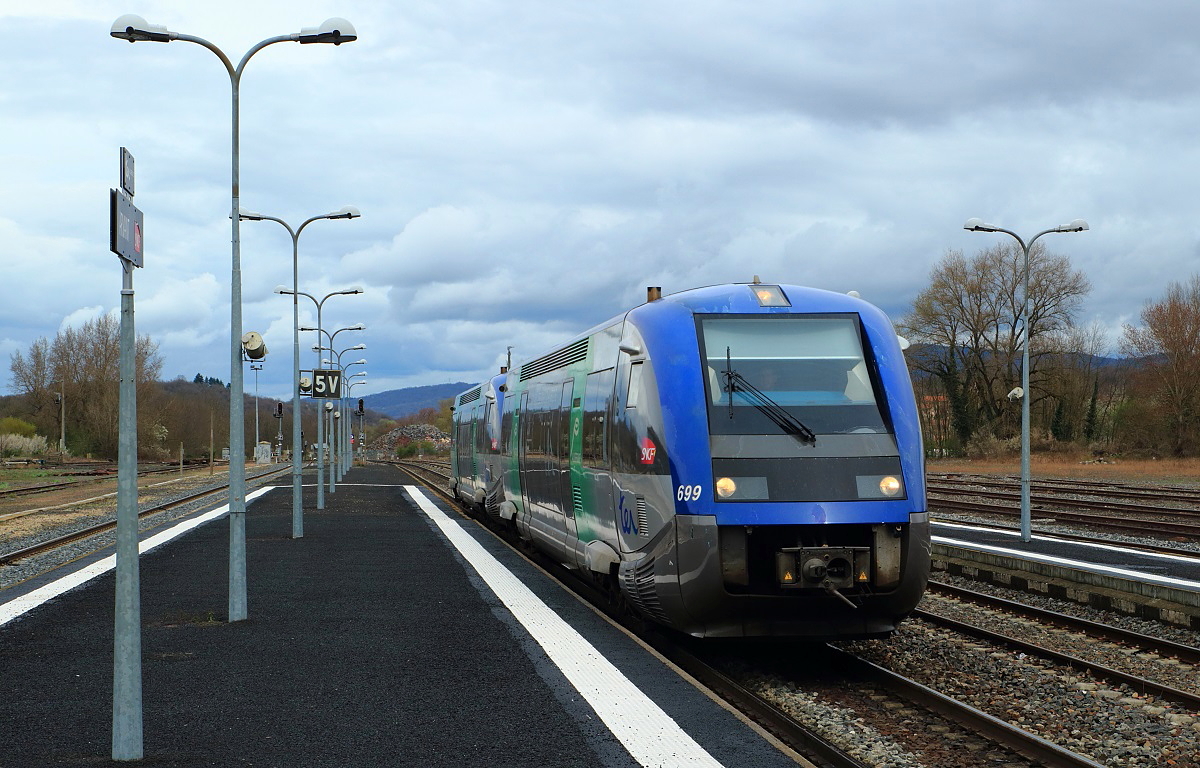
[(135, 29), (127, 734), (347, 212), (977, 225)]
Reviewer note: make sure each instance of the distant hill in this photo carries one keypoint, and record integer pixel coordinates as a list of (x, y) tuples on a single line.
[(398, 403)]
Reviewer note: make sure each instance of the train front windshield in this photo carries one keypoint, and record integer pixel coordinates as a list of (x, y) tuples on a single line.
[(811, 366), (780, 387)]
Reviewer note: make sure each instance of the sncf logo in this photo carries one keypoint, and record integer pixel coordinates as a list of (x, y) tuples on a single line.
[(648, 450)]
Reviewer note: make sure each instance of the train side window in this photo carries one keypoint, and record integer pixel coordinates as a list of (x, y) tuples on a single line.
[(635, 385), (597, 393)]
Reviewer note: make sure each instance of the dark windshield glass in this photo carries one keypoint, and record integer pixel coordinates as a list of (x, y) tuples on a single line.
[(812, 366)]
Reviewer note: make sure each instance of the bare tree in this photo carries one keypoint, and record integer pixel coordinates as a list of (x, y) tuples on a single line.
[(968, 325), (84, 364), (1071, 378), (1168, 346)]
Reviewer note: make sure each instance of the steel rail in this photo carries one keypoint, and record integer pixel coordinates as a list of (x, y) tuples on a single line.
[(1142, 527), (1185, 653), (1041, 751), (1071, 503), (1099, 670)]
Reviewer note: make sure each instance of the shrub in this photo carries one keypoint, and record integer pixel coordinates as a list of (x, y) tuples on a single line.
[(17, 445), (10, 425)]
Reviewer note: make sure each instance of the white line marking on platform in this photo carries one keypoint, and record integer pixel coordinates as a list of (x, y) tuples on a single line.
[(1113, 547), (25, 603), (1079, 564), (650, 735)]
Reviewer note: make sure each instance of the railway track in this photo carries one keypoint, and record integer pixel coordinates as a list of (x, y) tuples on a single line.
[(53, 542), (89, 476), (1156, 522), (1184, 496), (995, 734)]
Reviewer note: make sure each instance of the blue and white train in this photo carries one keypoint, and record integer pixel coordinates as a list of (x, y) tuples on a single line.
[(739, 460)]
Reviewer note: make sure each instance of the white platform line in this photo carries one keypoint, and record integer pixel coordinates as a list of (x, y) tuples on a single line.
[(27, 602), (1077, 564), (1108, 547), (650, 735)]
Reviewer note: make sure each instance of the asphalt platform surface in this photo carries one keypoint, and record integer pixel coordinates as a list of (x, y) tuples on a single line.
[(368, 643)]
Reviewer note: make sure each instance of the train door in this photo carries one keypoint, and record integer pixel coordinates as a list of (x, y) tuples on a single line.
[(545, 460), (595, 521), (564, 419)]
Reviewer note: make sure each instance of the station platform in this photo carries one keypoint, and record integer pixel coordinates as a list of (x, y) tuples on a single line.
[(1112, 575), (394, 633)]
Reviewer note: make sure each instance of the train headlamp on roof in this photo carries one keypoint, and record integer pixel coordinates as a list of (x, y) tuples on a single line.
[(770, 295)]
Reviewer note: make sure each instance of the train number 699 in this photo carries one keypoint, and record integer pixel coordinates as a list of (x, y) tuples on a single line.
[(688, 492)]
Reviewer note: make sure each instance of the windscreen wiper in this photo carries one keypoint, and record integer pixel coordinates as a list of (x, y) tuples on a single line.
[(735, 382)]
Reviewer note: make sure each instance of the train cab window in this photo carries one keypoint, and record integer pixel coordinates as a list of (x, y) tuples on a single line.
[(814, 366), (635, 385)]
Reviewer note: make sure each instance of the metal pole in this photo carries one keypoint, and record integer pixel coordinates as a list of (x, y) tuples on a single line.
[(320, 424), (238, 610), (333, 444), (297, 448), (62, 418), (256, 369), (1026, 516), (127, 645)]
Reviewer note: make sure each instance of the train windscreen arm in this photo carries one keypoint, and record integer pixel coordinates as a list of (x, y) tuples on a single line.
[(789, 424)]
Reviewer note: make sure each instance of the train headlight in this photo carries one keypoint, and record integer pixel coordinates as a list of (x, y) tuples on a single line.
[(880, 487), (726, 487), (770, 296), (889, 486)]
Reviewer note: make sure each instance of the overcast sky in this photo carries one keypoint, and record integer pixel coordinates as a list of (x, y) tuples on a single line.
[(525, 168)]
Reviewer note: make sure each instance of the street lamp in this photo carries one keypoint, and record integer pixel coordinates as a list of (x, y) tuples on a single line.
[(347, 212), (977, 225), (134, 29), (299, 531)]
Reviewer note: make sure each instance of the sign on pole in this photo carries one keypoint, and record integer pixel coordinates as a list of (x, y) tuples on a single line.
[(327, 382), (124, 228)]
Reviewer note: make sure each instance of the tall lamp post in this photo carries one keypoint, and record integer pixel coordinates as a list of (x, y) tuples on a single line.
[(347, 212), (135, 29), (977, 225), (320, 303)]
